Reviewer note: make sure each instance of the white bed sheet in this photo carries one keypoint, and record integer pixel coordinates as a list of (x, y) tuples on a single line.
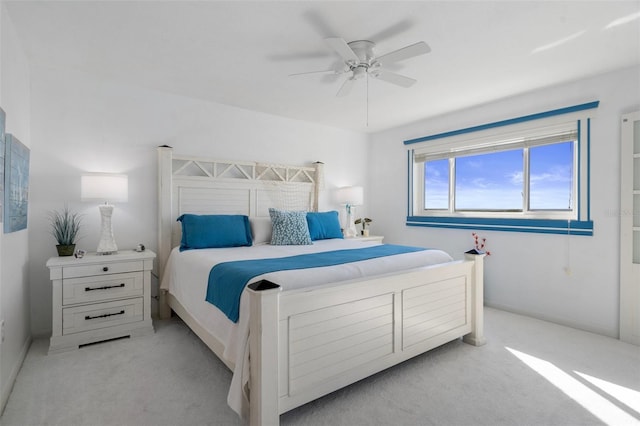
[(187, 273)]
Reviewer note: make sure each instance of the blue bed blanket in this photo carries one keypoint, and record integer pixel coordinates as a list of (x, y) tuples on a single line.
[(227, 280)]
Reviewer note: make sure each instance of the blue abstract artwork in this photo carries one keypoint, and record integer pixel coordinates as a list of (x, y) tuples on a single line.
[(16, 188), (3, 118)]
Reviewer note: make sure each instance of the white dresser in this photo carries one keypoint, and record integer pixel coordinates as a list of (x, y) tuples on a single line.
[(100, 297)]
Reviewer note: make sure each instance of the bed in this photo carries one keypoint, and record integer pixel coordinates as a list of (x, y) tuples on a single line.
[(317, 336)]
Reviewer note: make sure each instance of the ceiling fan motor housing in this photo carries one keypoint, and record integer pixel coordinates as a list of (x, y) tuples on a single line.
[(367, 63), (364, 50)]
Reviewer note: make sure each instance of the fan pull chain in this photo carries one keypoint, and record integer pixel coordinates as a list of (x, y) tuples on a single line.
[(367, 75)]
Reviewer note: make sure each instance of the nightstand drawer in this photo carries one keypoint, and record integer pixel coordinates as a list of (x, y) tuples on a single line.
[(101, 269), (100, 288), (100, 315)]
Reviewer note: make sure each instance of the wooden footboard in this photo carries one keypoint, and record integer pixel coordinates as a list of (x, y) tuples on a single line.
[(330, 337)]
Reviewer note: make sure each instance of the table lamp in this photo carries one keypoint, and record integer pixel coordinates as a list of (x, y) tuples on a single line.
[(105, 187), (350, 196)]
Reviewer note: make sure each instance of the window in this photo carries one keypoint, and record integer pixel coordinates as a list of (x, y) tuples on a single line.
[(526, 174), (501, 182)]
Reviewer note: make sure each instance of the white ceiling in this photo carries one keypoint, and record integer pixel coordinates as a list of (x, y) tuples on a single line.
[(240, 53)]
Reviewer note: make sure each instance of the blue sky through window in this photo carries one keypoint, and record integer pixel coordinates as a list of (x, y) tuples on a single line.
[(495, 181), (489, 181), (551, 176), (436, 182)]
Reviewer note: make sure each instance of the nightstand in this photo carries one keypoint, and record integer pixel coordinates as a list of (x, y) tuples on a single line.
[(377, 238), (100, 297)]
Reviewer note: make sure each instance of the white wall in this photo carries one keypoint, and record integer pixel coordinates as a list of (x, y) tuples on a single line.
[(83, 123), (526, 272), (14, 282)]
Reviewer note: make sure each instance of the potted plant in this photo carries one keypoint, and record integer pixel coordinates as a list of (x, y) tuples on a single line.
[(65, 225), (364, 221)]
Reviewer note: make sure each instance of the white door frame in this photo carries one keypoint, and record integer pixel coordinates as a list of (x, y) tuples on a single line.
[(629, 270)]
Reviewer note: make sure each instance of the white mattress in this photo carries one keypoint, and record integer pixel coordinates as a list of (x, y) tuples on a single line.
[(186, 276)]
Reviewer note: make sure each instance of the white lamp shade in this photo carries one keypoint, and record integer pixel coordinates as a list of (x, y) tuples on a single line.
[(104, 187), (352, 195)]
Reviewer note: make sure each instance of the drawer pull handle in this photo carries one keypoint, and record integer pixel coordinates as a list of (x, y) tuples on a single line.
[(103, 315), (105, 269), (106, 287)]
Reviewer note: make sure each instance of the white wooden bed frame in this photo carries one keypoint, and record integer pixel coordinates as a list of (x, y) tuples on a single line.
[(327, 337)]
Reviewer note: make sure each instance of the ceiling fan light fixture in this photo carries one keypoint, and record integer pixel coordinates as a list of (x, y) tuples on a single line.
[(359, 72)]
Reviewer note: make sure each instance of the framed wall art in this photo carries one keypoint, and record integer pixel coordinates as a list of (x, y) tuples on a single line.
[(16, 184), (3, 119)]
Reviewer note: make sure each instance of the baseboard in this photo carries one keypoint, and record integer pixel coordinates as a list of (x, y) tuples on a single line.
[(549, 318), (8, 385)]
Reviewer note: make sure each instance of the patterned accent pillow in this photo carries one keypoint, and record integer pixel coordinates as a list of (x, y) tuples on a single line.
[(289, 228)]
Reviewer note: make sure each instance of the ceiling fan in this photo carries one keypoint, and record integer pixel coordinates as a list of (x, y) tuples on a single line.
[(359, 60)]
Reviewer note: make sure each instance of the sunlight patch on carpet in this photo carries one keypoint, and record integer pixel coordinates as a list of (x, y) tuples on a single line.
[(629, 397), (595, 403)]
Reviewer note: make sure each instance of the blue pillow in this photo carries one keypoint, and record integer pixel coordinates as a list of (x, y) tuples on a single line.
[(323, 226), (289, 228), (214, 231)]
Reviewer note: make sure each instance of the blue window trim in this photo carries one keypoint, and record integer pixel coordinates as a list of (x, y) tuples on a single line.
[(409, 180), (545, 226), (538, 116), (588, 169), (579, 171)]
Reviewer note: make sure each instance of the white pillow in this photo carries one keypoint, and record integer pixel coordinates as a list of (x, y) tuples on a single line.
[(261, 230)]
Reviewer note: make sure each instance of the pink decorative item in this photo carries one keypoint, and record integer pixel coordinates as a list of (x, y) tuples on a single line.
[(479, 244)]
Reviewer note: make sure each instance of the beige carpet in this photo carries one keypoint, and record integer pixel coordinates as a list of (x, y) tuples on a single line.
[(530, 373)]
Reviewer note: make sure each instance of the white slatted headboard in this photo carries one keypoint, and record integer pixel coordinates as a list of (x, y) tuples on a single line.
[(205, 186)]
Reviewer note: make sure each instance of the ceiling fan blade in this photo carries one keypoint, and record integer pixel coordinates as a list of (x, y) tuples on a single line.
[(342, 48), (329, 78), (393, 78), (419, 48), (392, 31), (331, 71), (346, 87), (297, 56), (319, 23)]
